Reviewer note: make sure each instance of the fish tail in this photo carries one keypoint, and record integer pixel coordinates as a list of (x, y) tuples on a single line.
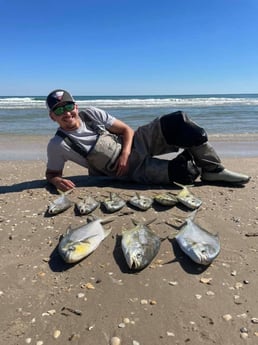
[(64, 193), (107, 232), (182, 186), (192, 215), (107, 219)]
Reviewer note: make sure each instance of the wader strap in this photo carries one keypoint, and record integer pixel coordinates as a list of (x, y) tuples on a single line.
[(74, 144)]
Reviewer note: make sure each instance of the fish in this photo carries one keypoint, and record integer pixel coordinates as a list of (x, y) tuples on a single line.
[(60, 204), (114, 203), (141, 202), (166, 199), (76, 244), (139, 245), (187, 198), (87, 205), (199, 244)]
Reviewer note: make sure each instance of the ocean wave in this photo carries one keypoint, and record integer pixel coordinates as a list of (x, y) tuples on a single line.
[(132, 102), (20, 103)]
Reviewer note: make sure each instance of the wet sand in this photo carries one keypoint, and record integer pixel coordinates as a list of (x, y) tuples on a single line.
[(28, 147)]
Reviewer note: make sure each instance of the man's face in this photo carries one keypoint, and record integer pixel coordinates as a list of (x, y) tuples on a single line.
[(66, 115)]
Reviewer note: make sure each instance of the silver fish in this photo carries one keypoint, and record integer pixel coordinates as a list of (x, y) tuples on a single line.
[(140, 201), (140, 245), (187, 198), (78, 243), (114, 203), (60, 204), (200, 245), (87, 205), (166, 199)]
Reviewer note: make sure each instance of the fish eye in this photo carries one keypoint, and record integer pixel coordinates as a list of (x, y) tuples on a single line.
[(139, 255)]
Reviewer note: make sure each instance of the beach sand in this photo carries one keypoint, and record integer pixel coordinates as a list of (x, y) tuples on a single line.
[(172, 301)]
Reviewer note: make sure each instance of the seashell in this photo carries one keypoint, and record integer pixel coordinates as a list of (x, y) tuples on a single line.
[(115, 341), (57, 334), (206, 280), (144, 301), (88, 286), (227, 317)]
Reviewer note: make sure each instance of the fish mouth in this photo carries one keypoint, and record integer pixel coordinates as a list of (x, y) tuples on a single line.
[(136, 263), (204, 258)]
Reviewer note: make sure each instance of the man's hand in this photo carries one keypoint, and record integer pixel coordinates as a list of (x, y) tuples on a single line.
[(55, 178), (63, 184), (122, 164)]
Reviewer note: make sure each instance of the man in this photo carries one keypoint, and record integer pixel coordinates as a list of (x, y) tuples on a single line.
[(107, 146)]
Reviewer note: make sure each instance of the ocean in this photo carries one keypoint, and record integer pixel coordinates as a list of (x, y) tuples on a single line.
[(220, 114)]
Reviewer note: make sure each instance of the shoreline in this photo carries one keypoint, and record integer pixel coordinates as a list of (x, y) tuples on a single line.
[(33, 147)]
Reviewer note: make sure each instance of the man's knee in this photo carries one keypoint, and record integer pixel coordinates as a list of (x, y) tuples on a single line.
[(178, 129)]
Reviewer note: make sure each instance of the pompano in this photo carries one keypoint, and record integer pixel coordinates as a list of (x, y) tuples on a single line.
[(87, 205), (60, 204), (140, 245), (200, 245), (140, 201), (114, 203), (166, 199), (78, 243), (187, 198)]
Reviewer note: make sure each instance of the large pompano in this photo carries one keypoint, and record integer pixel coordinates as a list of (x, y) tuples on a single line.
[(60, 204), (78, 243), (140, 245), (200, 245)]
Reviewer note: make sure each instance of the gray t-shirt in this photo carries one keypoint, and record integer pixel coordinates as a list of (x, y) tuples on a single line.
[(58, 152)]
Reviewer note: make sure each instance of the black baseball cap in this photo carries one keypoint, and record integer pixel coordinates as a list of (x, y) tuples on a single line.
[(57, 97)]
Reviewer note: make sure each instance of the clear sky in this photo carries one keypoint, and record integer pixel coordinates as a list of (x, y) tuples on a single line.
[(128, 47)]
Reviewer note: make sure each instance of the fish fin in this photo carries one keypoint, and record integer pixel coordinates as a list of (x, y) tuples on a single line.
[(87, 240), (192, 215), (136, 222), (68, 230), (107, 232), (148, 222), (107, 219), (64, 193), (182, 186), (138, 195)]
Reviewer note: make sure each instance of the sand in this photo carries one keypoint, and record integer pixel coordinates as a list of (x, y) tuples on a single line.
[(172, 301)]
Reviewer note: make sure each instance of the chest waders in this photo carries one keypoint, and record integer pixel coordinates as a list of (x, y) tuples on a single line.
[(102, 157)]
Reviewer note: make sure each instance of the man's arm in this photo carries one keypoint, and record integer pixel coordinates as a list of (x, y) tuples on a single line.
[(55, 178), (127, 134)]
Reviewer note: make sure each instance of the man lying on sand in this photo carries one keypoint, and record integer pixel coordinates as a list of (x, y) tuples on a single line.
[(107, 146)]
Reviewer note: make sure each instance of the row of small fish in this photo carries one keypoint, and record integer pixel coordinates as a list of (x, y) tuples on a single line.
[(140, 244), (115, 203)]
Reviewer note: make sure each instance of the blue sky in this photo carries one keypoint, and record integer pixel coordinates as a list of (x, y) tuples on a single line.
[(123, 47)]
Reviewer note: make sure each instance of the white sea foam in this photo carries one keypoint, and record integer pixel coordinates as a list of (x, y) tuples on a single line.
[(20, 103), (131, 102), (168, 102)]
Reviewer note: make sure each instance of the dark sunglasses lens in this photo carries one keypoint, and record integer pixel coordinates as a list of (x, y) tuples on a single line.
[(58, 111), (69, 107)]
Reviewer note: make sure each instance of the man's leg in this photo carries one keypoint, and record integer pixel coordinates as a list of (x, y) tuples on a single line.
[(178, 129)]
